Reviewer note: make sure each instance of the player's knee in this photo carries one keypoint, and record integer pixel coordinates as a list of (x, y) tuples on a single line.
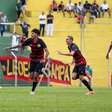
[(31, 76), (81, 77), (74, 76)]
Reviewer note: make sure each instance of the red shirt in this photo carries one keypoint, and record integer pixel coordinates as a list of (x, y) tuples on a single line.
[(77, 56), (37, 48)]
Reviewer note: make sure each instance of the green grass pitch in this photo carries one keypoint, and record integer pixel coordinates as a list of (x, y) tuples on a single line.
[(55, 99)]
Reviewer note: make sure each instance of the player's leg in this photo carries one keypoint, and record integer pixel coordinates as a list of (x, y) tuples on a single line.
[(35, 81), (74, 73), (37, 73), (81, 72), (32, 76), (85, 82)]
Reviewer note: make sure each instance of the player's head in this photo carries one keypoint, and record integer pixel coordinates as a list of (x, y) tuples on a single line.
[(69, 40), (35, 33)]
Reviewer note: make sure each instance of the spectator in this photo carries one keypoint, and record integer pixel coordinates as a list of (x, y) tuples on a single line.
[(4, 20), (22, 39), (75, 10), (87, 6), (92, 16), (25, 27), (54, 6), (50, 19), (61, 7), (42, 19), (105, 8), (23, 7), (79, 7), (15, 41), (69, 7), (95, 9), (2, 26), (23, 2), (19, 9)]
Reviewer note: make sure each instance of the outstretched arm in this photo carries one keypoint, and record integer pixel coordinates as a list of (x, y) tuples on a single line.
[(25, 43), (9, 48), (66, 53), (110, 47)]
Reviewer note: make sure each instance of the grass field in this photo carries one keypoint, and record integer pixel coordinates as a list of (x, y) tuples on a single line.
[(55, 99)]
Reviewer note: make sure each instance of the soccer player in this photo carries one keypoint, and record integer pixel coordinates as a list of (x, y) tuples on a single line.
[(38, 56), (110, 47), (79, 61)]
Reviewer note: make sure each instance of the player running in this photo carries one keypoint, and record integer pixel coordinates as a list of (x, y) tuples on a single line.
[(39, 54), (79, 61)]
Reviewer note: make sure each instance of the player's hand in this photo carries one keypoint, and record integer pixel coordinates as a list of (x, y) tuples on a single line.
[(59, 52), (72, 63), (47, 59), (107, 56)]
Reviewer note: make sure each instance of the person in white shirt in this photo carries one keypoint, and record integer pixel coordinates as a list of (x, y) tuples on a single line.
[(69, 7), (15, 41), (105, 8), (3, 19), (42, 20), (79, 7)]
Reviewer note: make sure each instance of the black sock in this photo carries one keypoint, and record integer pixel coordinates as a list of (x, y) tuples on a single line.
[(87, 85), (34, 86)]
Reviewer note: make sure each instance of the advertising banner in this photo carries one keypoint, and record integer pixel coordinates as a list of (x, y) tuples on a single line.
[(59, 72)]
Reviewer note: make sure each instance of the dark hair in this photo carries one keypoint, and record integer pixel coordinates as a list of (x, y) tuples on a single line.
[(70, 37), (36, 31)]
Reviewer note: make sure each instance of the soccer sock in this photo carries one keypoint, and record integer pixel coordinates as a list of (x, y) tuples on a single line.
[(34, 86), (87, 85)]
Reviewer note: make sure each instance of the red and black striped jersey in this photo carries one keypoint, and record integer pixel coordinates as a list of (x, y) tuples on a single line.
[(77, 56), (37, 48)]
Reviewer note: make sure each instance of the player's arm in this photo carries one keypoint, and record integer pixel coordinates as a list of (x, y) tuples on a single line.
[(9, 48), (110, 47), (66, 53), (46, 53), (25, 43)]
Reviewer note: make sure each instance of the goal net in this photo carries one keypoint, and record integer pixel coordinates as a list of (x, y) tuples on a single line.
[(9, 65)]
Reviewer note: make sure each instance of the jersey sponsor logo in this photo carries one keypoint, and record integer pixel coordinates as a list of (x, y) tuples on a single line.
[(38, 45)]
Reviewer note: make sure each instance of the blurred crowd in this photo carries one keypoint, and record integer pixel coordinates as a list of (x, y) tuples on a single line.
[(94, 9)]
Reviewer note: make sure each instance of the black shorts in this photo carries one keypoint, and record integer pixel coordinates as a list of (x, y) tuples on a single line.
[(36, 66), (80, 70)]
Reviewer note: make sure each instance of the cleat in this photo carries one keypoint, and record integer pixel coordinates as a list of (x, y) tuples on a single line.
[(32, 93), (90, 93)]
